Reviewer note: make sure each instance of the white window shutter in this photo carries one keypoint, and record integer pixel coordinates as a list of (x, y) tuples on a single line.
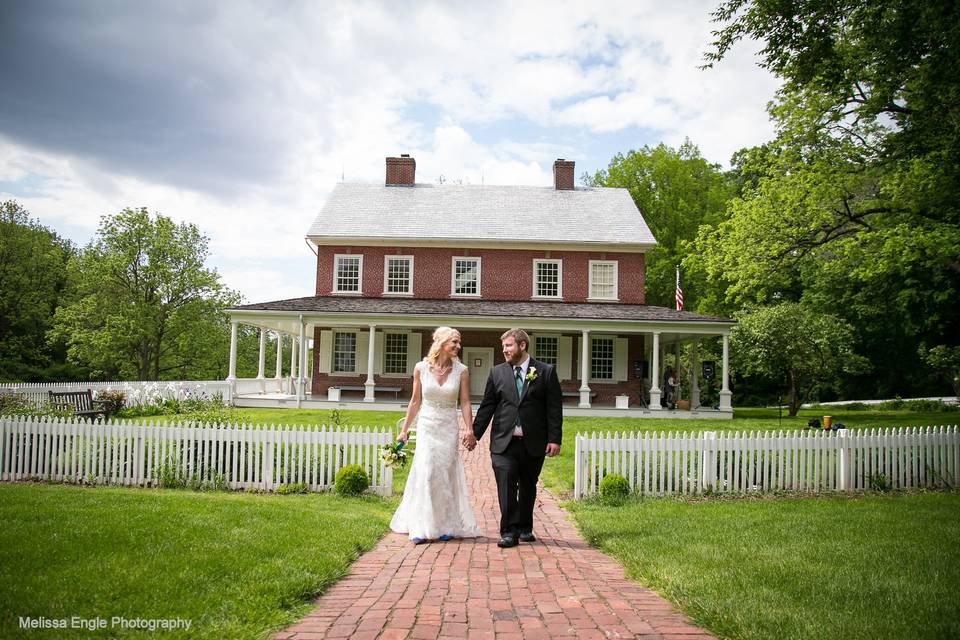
[(326, 350), (413, 351), (363, 348), (378, 356), (620, 359), (564, 357)]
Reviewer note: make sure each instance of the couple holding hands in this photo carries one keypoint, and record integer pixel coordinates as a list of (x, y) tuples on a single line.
[(522, 403)]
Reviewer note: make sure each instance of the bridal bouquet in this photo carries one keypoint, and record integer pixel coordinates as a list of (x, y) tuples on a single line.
[(393, 455)]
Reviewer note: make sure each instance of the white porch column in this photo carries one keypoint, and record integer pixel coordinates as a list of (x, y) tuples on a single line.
[(232, 375), (278, 372), (655, 373), (676, 369), (262, 359), (302, 349), (293, 362), (585, 371), (368, 395), (725, 394), (694, 380)]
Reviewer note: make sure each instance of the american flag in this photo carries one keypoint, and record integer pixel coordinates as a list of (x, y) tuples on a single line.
[(679, 292)]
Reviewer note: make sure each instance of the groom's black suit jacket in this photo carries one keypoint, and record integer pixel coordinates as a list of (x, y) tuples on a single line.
[(540, 408)]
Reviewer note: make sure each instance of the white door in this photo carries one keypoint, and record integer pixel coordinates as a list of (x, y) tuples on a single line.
[(480, 361)]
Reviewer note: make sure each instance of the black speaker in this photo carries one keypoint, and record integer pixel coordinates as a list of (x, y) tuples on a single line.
[(708, 368), (640, 369)]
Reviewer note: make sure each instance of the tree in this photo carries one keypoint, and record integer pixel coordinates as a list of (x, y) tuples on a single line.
[(853, 208), (141, 303), (946, 362), (33, 262), (676, 190), (794, 346)]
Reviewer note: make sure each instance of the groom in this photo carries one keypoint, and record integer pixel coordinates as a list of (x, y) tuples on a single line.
[(524, 399)]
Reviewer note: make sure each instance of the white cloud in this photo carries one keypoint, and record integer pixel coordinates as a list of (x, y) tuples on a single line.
[(241, 117)]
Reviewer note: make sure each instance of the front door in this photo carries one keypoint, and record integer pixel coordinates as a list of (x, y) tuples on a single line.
[(480, 361)]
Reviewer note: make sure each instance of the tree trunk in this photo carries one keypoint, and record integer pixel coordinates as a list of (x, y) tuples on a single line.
[(793, 396)]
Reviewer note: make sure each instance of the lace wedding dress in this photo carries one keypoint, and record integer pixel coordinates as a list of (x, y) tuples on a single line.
[(435, 500)]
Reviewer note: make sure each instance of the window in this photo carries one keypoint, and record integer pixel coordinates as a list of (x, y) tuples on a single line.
[(344, 352), (547, 278), (466, 276), (347, 270), (603, 280), (395, 353), (398, 275), (601, 358), (546, 348)]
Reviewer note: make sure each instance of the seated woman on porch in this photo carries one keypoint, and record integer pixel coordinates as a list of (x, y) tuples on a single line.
[(668, 399)]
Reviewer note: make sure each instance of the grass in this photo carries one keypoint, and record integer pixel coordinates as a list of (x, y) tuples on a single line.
[(867, 566), (242, 565), (237, 565)]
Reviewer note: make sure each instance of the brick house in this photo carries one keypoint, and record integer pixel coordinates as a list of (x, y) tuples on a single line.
[(396, 260)]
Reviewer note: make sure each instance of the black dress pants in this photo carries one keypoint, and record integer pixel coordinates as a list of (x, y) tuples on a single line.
[(516, 472)]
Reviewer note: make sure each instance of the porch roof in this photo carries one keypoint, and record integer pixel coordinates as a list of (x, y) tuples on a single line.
[(493, 313)]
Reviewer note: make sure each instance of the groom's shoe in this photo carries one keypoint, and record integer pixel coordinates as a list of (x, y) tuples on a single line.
[(527, 536), (507, 540)]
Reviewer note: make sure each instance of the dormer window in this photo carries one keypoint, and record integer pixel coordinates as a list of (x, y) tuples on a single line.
[(547, 279), (466, 277), (347, 273), (603, 279), (398, 275)]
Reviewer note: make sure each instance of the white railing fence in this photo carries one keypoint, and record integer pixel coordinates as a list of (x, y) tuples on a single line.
[(138, 393), (735, 462), (141, 453)]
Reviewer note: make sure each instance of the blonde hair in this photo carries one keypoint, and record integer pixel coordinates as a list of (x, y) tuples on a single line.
[(440, 336)]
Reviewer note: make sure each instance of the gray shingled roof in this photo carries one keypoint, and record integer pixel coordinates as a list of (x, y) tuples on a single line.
[(480, 308), (481, 212)]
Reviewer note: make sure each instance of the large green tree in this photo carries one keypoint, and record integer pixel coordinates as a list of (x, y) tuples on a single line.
[(142, 305), (676, 190), (853, 208), (797, 348), (33, 261)]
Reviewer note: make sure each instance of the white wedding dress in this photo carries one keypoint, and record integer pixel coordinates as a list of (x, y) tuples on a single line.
[(435, 500)]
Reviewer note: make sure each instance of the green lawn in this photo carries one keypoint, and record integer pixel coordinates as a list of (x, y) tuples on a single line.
[(241, 565), (870, 567), (236, 565)]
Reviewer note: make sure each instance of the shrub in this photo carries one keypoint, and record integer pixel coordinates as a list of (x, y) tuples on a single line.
[(293, 487), (113, 400), (15, 404), (614, 487), (351, 480)]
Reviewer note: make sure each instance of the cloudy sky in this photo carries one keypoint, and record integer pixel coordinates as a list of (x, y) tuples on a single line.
[(241, 116)]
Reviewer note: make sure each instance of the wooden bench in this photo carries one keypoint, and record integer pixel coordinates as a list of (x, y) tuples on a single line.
[(576, 394), (80, 402), (377, 389)]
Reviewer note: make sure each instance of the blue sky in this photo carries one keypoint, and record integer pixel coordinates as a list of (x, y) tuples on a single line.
[(241, 116)]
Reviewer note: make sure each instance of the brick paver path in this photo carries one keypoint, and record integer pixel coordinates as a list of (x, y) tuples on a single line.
[(555, 587)]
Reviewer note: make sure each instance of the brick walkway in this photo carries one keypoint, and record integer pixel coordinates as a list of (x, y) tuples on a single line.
[(555, 587)]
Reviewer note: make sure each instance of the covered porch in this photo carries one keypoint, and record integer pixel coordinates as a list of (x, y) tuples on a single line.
[(358, 353)]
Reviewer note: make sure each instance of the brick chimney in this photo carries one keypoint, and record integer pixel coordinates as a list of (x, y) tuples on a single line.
[(401, 171), (563, 174)]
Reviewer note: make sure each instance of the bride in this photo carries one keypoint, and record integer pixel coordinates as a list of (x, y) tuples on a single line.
[(435, 504)]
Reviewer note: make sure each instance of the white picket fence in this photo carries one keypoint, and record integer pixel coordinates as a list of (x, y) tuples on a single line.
[(137, 392), (735, 462), (140, 453)]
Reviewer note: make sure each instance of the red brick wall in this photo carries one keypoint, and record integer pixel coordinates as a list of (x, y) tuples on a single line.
[(491, 339), (504, 274)]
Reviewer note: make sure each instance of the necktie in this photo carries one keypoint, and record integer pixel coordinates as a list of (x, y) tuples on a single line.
[(519, 379)]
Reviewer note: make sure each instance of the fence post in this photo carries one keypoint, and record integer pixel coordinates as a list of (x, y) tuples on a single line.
[(708, 460), (843, 460), (578, 468), (266, 473)]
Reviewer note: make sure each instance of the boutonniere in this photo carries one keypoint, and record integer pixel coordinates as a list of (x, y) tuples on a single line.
[(531, 374)]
